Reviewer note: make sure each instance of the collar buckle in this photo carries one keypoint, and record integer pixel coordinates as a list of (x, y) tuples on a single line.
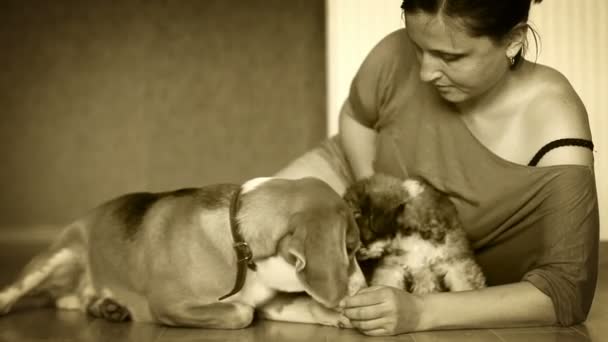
[(244, 254)]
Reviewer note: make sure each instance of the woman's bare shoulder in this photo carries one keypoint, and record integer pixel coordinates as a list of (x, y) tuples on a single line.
[(555, 111)]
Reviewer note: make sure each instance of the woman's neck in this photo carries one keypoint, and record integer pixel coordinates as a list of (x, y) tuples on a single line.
[(489, 102)]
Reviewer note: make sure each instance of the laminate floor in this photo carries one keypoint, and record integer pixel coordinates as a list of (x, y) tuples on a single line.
[(52, 325)]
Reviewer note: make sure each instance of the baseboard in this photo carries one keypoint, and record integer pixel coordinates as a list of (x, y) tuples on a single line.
[(29, 233)]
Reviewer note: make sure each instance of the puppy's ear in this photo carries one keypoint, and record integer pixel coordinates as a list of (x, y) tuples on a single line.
[(356, 195), (397, 214), (318, 244), (432, 221)]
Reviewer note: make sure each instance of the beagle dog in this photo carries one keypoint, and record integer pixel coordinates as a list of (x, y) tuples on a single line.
[(204, 257)]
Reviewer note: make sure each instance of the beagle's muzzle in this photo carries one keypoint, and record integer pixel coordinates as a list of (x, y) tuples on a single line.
[(179, 258)]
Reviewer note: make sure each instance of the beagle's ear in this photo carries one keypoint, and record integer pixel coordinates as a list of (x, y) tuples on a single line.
[(318, 244), (298, 257)]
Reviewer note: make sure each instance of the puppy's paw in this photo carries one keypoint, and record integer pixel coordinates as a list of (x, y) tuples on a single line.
[(374, 250), (425, 283), (364, 253)]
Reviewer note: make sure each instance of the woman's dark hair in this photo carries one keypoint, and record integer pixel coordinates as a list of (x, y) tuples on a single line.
[(490, 18)]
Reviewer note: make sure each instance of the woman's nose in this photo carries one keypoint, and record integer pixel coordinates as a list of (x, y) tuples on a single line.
[(430, 68)]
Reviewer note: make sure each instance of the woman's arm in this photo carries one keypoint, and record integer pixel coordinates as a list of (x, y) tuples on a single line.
[(517, 304), (391, 311), (358, 143), (362, 111)]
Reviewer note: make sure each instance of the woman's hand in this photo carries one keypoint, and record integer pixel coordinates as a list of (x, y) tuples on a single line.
[(381, 310)]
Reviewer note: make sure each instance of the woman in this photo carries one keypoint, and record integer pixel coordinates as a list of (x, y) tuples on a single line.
[(451, 98)]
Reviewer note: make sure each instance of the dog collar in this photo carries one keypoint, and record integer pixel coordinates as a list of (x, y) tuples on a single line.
[(244, 256)]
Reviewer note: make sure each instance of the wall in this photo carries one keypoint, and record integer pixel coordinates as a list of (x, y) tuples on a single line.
[(353, 28), (99, 97), (574, 37), (574, 40)]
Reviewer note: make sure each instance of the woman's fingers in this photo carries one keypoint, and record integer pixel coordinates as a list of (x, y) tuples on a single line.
[(367, 311), (382, 311), (371, 326), (365, 297), (364, 312)]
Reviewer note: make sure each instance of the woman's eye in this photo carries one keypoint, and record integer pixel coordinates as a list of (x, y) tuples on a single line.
[(450, 58)]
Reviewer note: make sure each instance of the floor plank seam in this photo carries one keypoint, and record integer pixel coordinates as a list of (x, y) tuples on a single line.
[(580, 332), (496, 334), (162, 333)]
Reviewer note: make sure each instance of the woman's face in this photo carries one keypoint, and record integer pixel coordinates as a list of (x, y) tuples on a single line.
[(461, 67)]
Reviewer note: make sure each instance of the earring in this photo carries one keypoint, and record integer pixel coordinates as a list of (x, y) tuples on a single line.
[(511, 60)]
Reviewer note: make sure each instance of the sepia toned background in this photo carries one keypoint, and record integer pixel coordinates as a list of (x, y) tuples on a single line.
[(103, 97), (99, 98)]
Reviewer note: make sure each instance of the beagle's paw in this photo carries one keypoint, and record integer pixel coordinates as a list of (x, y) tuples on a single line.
[(330, 317), (113, 311)]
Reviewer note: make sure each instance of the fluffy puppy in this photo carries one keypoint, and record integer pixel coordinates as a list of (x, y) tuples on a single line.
[(411, 236)]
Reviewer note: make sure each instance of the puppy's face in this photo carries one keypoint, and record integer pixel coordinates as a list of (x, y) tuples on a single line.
[(377, 203), (428, 212), (385, 205)]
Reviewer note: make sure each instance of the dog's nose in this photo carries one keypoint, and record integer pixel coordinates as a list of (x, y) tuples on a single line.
[(366, 236)]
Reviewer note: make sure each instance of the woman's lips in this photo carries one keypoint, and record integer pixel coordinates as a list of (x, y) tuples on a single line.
[(443, 87)]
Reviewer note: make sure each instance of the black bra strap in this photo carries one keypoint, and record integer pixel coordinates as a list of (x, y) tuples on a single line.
[(559, 143)]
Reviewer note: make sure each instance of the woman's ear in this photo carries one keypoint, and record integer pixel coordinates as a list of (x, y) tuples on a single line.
[(516, 40)]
